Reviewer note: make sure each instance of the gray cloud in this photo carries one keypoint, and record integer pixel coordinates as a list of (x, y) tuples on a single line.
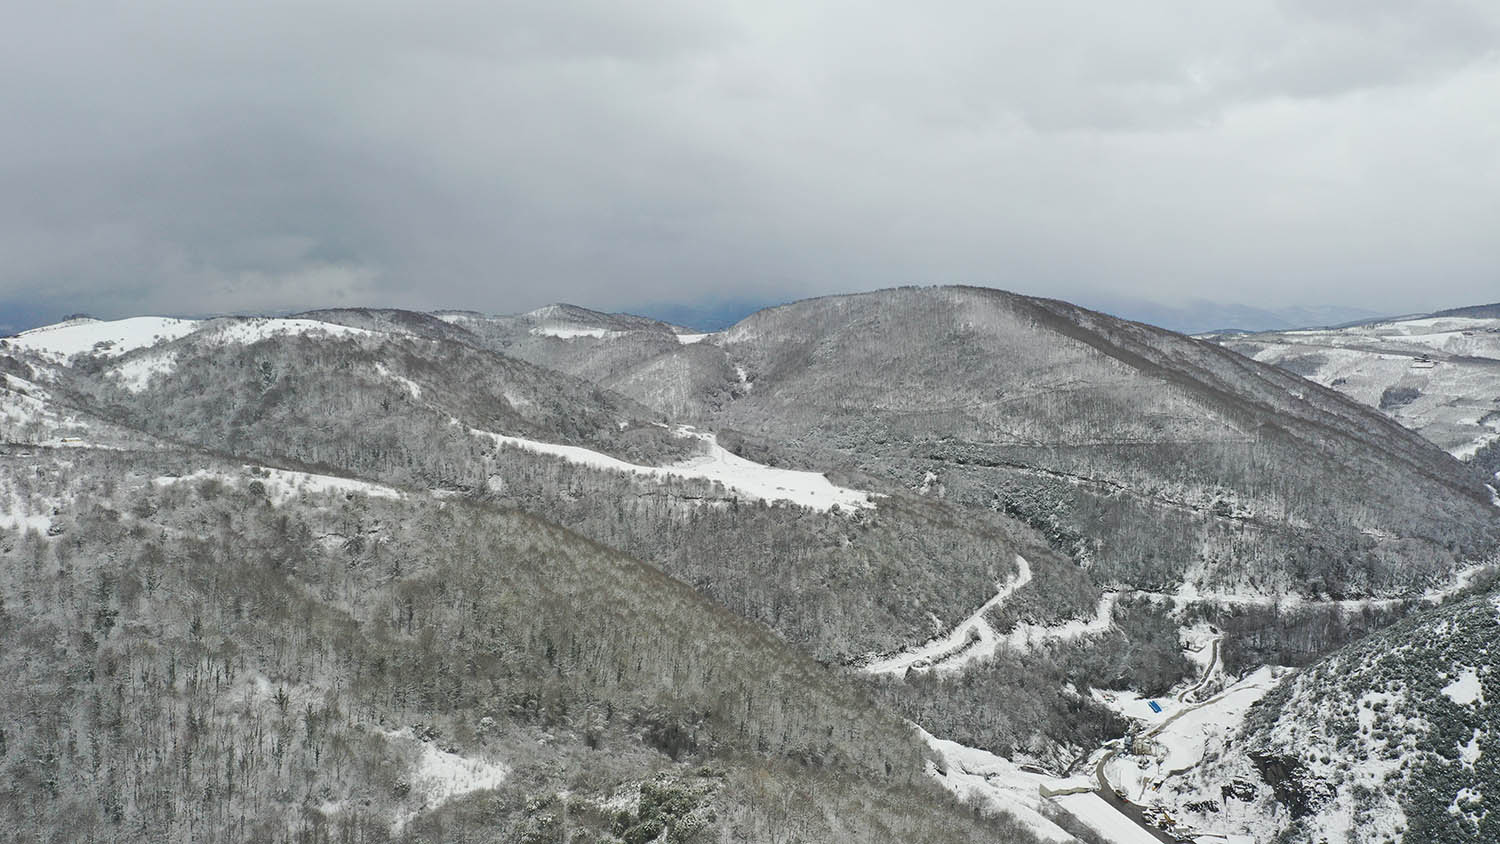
[(177, 156)]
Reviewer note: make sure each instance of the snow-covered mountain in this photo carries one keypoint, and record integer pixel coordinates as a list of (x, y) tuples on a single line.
[(1071, 550), (1438, 375)]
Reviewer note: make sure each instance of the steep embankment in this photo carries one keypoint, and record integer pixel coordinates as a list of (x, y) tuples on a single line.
[(1396, 737)]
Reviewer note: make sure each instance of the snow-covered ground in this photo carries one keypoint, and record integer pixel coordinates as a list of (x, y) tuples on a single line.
[(55, 344), (573, 332), (1089, 808), (27, 415), (22, 515), (1158, 770), (282, 485), (135, 374), (1000, 783), (1465, 689), (411, 386), (1437, 376), (439, 776), (692, 338), (738, 475), (111, 338), (1180, 739), (255, 329)]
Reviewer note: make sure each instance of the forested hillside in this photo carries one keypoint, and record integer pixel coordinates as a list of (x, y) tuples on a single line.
[(1393, 738), (1162, 460), (199, 651), (570, 573)]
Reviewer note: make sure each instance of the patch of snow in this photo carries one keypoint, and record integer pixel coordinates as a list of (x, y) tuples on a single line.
[(515, 400), (440, 776), (1471, 752), (1091, 810), (110, 338), (282, 485), (411, 386), (692, 338), (1469, 449), (135, 374), (1134, 705), (255, 329), (17, 515), (573, 332), (1466, 689), (744, 477), (977, 774), (13, 382), (30, 419)]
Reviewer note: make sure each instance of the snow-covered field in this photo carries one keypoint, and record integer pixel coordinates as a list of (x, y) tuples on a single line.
[(136, 373), (738, 475), (112, 338), (1159, 771), (1183, 733), (255, 329)]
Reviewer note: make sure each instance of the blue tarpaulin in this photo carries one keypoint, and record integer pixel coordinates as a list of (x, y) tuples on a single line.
[(1155, 707)]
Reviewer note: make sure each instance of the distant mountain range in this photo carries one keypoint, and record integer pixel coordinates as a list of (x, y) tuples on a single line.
[(1198, 317)]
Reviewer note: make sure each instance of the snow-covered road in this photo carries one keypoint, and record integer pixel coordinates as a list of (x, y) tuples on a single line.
[(972, 639), (975, 638)]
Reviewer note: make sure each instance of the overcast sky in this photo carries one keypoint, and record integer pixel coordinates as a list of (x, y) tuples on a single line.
[(200, 157)]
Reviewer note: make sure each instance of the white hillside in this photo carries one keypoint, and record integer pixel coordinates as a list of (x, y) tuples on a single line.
[(1439, 376), (740, 476), (59, 342), (260, 328)]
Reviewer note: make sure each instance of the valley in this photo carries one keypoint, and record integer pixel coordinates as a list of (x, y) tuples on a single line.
[(1016, 571)]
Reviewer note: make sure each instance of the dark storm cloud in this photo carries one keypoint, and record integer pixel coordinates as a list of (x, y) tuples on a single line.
[(202, 157)]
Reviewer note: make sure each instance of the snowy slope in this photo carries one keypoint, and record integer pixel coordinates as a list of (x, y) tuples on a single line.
[(438, 776), (57, 343), (1392, 738), (996, 781), (1439, 376), (259, 328), (743, 477), (282, 485)]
